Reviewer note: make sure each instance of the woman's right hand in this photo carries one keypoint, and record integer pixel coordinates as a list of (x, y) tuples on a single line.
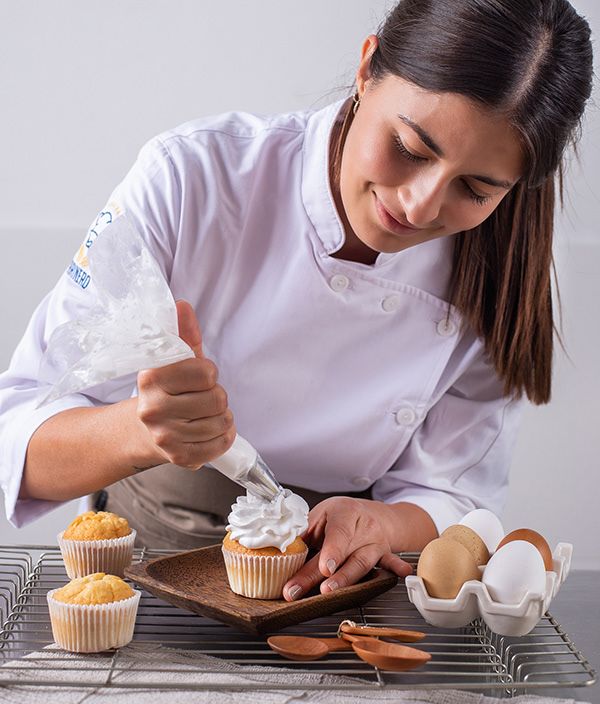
[(182, 408)]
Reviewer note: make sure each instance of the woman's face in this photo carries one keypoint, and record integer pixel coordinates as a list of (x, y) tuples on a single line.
[(418, 165)]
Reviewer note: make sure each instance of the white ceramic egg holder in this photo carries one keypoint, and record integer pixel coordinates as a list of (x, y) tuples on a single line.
[(474, 600)]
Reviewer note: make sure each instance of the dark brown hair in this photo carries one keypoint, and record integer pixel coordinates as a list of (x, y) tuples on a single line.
[(531, 61)]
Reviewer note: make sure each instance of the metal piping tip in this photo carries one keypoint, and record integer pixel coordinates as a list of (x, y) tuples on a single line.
[(260, 481)]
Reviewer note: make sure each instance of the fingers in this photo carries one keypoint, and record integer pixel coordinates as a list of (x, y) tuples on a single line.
[(155, 405), (303, 581), (196, 431), (314, 534), (206, 429), (186, 441), (394, 563), (345, 555), (183, 412), (352, 542), (339, 535), (189, 327), (195, 455), (181, 377), (358, 564)]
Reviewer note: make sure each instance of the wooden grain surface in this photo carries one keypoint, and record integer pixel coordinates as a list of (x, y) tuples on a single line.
[(196, 580)]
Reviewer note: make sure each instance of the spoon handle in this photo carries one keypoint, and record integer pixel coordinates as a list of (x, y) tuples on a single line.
[(398, 633), (334, 644), (349, 638)]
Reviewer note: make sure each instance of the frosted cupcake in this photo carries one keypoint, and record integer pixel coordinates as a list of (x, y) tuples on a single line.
[(94, 613), (97, 542), (263, 547)]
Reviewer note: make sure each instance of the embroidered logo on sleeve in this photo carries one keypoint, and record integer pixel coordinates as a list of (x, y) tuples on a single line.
[(78, 269)]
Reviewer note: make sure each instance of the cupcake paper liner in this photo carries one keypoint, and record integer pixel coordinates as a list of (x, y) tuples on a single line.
[(93, 628), (261, 576), (83, 557)]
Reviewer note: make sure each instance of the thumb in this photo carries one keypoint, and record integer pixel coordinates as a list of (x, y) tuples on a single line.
[(189, 327)]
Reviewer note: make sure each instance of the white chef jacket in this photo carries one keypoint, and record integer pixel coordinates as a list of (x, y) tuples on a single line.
[(343, 375)]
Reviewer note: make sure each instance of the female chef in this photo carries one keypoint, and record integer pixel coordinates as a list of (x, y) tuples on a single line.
[(366, 287)]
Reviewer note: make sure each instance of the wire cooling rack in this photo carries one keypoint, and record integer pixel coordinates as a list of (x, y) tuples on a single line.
[(471, 658)]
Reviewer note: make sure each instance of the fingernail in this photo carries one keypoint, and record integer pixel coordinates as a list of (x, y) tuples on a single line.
[(332, 586), (294, 591), (331, 565)]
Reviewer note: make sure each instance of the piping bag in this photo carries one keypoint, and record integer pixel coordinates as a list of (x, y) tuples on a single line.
[(132, 327)]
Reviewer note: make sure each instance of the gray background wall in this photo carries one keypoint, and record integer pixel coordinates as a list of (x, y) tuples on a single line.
[(83, 84)]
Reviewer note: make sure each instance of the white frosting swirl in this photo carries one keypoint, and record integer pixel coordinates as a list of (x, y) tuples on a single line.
[(257, 523)]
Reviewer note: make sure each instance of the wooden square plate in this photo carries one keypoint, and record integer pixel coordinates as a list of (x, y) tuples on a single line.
[(196, 580)]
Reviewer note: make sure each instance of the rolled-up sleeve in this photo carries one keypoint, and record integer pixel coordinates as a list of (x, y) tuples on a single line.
[(145, 194), (459, 458), (20, 425), (21, 391)]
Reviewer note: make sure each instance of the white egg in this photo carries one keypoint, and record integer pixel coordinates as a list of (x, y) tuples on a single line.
[(487, 526), (513, 570)]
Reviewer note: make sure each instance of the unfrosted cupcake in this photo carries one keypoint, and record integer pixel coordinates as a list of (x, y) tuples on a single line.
[(97, 542), (93, 613), (263, 547)]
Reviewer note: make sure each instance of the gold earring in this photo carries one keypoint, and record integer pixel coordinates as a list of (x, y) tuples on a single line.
[(355, 103)]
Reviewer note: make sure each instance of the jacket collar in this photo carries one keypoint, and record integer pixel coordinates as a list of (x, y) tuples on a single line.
[(316, 189), (426, 266)]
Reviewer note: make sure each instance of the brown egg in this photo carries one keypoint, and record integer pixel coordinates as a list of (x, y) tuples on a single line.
[(444, 566), (535, 539), (468, 537)]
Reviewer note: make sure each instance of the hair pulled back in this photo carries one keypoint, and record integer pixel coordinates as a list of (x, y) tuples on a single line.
[(531, 61)]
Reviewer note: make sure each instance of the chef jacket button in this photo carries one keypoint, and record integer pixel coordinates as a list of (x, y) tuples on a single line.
[(405, 416), (339, 282), (446, 327), (362, 482), (391, 303)]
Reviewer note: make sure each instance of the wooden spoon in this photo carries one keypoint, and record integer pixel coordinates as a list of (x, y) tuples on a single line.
[(384, 632), (305, 647), (389, 656)]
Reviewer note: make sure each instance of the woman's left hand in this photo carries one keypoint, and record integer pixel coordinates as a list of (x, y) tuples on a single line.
[(354, 536)]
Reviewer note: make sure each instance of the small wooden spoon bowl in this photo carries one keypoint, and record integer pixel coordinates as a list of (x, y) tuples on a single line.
[(306, 647), (389, 656)]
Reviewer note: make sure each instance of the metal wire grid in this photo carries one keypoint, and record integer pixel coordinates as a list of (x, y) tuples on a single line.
[(471, 658)]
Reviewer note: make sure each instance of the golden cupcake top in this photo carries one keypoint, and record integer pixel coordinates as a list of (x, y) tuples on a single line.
[(297, 546), (98, 588), (97, 526)]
